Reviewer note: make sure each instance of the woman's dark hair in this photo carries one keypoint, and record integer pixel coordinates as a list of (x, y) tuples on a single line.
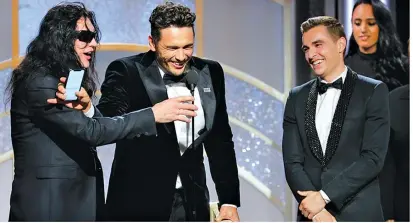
[(391, 64), (52, 51)]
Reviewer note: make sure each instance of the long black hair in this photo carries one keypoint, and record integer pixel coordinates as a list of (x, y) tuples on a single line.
[(390, 65), (52, 51)]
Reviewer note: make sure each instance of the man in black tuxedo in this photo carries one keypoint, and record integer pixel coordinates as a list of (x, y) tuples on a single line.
[(336, 132), (161, 178), (395, 183), (395, 176)]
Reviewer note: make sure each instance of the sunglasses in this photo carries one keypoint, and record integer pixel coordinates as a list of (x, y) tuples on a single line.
[(86, 36)]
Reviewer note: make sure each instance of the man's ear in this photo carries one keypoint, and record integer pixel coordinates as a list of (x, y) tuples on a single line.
[(341, 44), (151, 43)]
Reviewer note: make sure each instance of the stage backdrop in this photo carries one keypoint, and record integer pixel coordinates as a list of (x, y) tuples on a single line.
[(252, 41)]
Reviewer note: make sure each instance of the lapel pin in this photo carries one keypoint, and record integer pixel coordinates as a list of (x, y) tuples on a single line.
[(207, 89)]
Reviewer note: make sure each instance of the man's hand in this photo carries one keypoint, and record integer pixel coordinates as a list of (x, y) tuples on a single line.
[(312, 204), (324, 216), (390, 220), (228, 213), (83, 102), (174, 109)]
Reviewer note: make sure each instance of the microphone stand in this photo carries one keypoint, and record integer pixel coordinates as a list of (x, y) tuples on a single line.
[(191, 80), (193, 118), (192, 90)]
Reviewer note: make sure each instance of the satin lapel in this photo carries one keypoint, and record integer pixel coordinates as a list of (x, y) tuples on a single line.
[(309, 124), (207, 95), (340, 115), (208, 101), (152, 80)]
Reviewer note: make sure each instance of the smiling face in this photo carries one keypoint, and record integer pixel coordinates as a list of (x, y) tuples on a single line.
[(365, 29), (85, 44), (323, 52), (174, 48)]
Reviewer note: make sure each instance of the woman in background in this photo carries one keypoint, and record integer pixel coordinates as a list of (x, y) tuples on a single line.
[(375, 49)]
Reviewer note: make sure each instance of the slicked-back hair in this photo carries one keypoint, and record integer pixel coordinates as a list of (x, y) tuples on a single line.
[(334, 27)]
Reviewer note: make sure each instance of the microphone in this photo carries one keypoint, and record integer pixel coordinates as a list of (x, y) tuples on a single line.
[(191, 80)]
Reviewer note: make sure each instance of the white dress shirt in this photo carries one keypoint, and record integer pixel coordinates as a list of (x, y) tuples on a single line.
[(326, 106), (183, 129)]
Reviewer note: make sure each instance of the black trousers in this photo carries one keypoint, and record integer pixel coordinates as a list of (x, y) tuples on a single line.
[(179, 210)]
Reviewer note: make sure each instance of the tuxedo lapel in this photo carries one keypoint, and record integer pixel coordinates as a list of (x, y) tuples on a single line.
[(309, 124), (152, 80), (340, 115), (207, 95), (208, 101)]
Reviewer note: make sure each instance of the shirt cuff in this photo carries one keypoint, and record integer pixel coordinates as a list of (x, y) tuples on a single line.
[(229, 205), (91, 111), (325, 197)]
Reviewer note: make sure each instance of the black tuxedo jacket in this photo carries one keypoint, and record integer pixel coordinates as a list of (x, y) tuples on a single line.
[(144, 170), (356, 147), (58, 176), (394, 179)]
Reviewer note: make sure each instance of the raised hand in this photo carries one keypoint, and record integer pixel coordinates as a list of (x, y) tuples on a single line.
[(83, 103), (174, 109)]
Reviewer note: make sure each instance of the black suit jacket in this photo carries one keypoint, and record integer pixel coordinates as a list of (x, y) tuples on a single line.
[(396, 172), (355, 152), (144, 170), (58, 176)]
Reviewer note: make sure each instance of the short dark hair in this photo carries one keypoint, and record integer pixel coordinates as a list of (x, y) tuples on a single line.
[(334, 27), (170, 14)]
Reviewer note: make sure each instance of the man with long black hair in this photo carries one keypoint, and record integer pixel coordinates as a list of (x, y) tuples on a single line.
[(58, 176)]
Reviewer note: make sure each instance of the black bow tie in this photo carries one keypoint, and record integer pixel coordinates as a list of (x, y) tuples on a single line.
[(322, 87), (171, 79)]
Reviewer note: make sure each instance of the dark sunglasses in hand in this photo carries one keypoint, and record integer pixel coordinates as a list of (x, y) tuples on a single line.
[(86, 36)]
